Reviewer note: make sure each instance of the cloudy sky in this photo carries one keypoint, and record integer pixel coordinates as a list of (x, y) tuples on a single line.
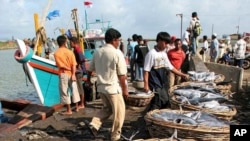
[(144, 17)]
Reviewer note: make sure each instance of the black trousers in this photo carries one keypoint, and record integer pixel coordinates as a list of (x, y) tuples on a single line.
[(161, 99)]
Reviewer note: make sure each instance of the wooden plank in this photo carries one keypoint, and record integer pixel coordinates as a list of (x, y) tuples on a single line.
[(17, 105), (32, 112)]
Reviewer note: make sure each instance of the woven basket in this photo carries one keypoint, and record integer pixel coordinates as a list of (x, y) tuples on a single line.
[(159, 128), (139, 101), (224, 89), (227, 115)]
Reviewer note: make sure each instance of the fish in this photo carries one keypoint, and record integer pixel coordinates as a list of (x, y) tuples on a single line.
[(209, 104), (196, 101), (175, 117), (182, 99), (192, 118), (207, 119), (191, 93), (188, 93)]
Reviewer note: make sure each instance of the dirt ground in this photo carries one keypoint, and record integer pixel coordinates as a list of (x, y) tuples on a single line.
[(72, 128)]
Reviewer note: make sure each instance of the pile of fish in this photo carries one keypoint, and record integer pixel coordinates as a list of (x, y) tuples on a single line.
[(191, 118), (203, 76), (204, 96)]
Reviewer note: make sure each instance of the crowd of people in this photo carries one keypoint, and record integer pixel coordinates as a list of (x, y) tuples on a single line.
[(160, 68)]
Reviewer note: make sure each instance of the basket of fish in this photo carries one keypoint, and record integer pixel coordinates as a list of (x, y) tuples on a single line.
[(223, 87), (188, 125), (201, 76), (202, 99), (139, 98)]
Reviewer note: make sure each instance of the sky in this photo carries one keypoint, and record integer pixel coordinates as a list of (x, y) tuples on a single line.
[(142, 17)]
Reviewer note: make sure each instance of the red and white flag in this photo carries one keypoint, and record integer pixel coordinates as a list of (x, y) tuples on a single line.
[(88, 3)]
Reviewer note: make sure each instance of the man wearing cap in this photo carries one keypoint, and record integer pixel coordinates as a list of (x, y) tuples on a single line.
[(214, 48)]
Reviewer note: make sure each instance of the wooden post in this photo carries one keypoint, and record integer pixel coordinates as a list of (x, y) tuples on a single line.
[(38, 45), (80, 39)]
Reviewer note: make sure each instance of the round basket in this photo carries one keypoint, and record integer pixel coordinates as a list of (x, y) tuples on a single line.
[(228, 115), (163, 129), (139, 101)]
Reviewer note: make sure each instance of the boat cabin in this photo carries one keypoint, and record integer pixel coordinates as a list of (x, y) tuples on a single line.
[(93, 39)]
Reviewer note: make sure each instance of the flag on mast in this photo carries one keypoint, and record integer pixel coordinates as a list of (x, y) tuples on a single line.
[(88, 3), (53, 14)]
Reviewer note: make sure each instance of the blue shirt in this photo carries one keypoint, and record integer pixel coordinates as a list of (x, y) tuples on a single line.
[(214, 48), (131, 48)]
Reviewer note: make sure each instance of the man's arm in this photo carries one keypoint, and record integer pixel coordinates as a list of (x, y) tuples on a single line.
[(174, 70), (123, 83), (145, 79)]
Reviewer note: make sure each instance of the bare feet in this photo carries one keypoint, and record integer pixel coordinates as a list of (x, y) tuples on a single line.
[(66, 113), (81, 107)]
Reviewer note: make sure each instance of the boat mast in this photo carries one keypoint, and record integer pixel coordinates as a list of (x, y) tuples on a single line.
[(75, 19), (40, 28)]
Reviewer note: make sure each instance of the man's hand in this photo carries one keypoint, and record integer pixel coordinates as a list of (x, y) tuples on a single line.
[(125, 96), (88, 83), (186, 76)]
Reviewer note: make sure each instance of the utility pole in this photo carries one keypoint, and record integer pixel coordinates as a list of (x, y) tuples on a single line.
[(181, 15), (238, 28), (212, 29)]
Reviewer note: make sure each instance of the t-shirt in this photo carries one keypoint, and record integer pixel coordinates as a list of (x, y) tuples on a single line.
[(214, 48), (140, 53), (131, 49), (240, 49), (65, 59), (185, 38), (157, 63), (80, 59), (176, 57), (108, 62)]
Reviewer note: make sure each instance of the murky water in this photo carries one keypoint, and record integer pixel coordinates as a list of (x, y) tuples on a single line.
[(13, 82)]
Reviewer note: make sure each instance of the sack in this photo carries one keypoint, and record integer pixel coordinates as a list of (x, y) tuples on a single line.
[(197, 29), (88, 92), (201, 52)]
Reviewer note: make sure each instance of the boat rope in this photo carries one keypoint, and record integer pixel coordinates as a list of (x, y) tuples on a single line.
[(40, 34), (27, 75)]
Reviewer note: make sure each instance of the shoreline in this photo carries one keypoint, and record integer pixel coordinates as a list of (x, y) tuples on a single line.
[(6, 48)]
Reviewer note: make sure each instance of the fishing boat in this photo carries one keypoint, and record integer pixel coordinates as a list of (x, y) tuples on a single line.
[(42, 72)]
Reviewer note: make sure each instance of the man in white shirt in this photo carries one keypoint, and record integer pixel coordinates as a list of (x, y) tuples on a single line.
[(240, 50)]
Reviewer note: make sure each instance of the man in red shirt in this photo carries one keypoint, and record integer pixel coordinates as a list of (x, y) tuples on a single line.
[(176, 57)]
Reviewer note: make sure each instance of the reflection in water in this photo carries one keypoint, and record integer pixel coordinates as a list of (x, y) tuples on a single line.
[(13, 82)]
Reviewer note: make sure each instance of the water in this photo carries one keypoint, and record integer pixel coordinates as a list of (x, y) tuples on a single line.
[(13, 82)]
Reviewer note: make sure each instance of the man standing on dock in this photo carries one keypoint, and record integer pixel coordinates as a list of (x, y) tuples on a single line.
[(214, 48), (194, 24), (80, 68), (110, 67), (130, 52), (156, 68), (66, 62)]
